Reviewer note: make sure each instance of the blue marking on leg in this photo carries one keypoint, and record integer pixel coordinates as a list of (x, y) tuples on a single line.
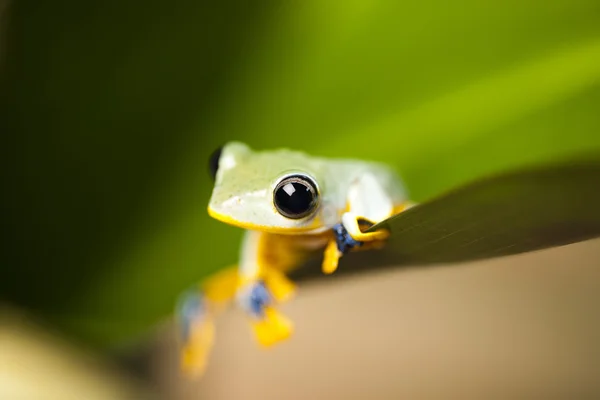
[(344, 241), (191, 308), (258, 299)]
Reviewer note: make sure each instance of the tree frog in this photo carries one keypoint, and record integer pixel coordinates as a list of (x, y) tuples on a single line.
[(291, 204)]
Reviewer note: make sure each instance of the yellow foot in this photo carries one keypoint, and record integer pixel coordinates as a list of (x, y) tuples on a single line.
[(403, 207), (353, 224), (273, 328), (196, 351), (331, 258)]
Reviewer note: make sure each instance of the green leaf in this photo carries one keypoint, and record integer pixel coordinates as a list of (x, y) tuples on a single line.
[(113, 109), (507, 214)]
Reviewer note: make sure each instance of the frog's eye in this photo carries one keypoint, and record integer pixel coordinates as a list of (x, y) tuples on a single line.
[(296, 196), (213, 162)]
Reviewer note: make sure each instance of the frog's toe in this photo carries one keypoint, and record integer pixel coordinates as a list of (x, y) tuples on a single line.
[(356, 227), (195, 352), (332, 255), (272, 328), (197, 332)]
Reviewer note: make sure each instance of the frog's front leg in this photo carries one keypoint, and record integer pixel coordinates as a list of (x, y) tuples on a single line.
[(367, 204), (263, 285)]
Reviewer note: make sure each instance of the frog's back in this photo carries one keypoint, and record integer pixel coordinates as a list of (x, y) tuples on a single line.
[(339, 175), (351, 169)]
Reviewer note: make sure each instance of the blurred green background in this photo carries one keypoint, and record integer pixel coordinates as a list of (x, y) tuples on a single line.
[(110, 109)]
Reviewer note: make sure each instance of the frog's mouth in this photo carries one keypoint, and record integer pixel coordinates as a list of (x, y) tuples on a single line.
[(315, 226)]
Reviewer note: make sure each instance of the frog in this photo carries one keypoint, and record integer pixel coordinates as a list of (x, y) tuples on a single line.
[(291, 206)]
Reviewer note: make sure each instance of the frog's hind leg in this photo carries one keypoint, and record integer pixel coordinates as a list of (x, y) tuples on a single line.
[(196, 311)]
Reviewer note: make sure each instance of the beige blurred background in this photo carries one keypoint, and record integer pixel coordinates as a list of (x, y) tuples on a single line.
[(520, 327), (37, 363)]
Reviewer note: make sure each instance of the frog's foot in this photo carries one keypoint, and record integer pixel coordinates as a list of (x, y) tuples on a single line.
[(270, 327), (356, 227), (344, 241), (197, 332), (332, 255)]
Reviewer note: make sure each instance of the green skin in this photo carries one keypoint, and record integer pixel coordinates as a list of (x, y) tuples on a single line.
[(245, 180)]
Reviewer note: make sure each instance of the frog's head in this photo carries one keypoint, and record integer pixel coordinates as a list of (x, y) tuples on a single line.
[(273, 191)]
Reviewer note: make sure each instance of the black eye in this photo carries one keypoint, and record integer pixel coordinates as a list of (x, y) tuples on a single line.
[(296, 196), (213, 162)]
